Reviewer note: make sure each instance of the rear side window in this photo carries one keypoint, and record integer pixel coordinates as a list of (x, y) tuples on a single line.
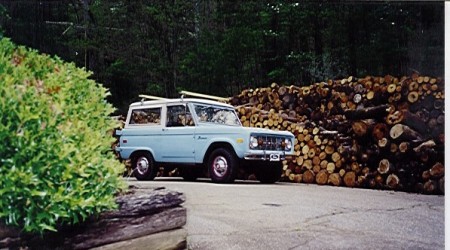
[(147, 116), (179, 116)]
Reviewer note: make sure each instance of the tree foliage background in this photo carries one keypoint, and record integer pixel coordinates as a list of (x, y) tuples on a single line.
[(220, 47)]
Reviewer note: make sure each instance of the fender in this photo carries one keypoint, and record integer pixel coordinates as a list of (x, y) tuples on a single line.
[(126, 152), (238, 148)]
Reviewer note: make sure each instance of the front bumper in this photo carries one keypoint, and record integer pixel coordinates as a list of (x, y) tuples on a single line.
[(267, 156)]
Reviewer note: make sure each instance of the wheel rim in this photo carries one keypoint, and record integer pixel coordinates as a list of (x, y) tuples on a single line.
[(220, 166), (142, 165)]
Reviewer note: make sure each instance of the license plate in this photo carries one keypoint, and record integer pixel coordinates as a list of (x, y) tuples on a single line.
[(274, 157)]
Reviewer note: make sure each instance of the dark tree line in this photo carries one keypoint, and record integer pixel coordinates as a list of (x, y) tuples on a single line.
[(221, 47)]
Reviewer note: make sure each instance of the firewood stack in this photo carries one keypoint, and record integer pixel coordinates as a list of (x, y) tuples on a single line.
[(373, 132)]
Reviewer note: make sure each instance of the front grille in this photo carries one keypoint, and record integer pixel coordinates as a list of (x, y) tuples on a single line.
[(272, 143)]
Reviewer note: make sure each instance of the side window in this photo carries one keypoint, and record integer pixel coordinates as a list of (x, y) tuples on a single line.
[(149, 116), (179, 116)]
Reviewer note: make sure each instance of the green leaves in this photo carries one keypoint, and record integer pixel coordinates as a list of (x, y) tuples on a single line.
[(54, 125)]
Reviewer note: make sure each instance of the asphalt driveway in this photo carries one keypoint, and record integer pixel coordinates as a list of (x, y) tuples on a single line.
[(250, 215)]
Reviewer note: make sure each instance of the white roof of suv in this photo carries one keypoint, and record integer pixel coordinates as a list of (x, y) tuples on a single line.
[(180, 100)]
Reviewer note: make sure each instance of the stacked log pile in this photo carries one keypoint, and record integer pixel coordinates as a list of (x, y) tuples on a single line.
[(373, 132)]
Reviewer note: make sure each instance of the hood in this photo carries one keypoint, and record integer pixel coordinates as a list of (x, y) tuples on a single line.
[(266, 131)]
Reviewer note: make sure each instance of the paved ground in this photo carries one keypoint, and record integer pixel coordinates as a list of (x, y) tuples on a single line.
[(250, 215)]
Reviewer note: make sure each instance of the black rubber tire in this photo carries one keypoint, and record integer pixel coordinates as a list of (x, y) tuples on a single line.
[(143, 165), (222, 165), (269, 173)]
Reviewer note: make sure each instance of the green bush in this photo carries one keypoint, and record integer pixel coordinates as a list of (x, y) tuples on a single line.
[(56, 166)]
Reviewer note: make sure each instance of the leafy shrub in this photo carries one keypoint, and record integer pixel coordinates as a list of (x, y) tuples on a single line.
[(55, 163)]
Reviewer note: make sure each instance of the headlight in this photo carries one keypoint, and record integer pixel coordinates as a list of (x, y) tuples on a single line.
[(253, 142), (288, 144)]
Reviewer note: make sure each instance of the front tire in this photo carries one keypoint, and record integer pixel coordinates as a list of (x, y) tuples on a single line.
[(270, 173), (144, 166), (222, 165)]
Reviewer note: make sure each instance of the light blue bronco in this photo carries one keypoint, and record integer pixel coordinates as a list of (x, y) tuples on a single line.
[(199, 135)]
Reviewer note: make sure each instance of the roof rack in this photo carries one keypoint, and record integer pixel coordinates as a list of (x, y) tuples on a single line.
[(212, 97), (151, 97)]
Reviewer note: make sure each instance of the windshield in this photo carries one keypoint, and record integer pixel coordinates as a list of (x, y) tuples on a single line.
[(216, 114)]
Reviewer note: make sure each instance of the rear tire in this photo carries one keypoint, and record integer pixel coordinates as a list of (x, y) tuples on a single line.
[(222, 165), (269, 173), (144, 166)]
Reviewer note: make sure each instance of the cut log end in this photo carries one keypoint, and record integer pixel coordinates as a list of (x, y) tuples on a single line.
[(413, 97), (392, 181), (437, 170), (383, 166), (322, 177), (400, 131), (308, 176), (335, 179), (350, 179), (359, 128)]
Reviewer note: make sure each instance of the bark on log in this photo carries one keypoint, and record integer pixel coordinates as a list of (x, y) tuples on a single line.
[(377, 112), (403, 132), (172, 239), (145, 203), (414, 122), (138, 215), (424, 145), (110, 230)]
